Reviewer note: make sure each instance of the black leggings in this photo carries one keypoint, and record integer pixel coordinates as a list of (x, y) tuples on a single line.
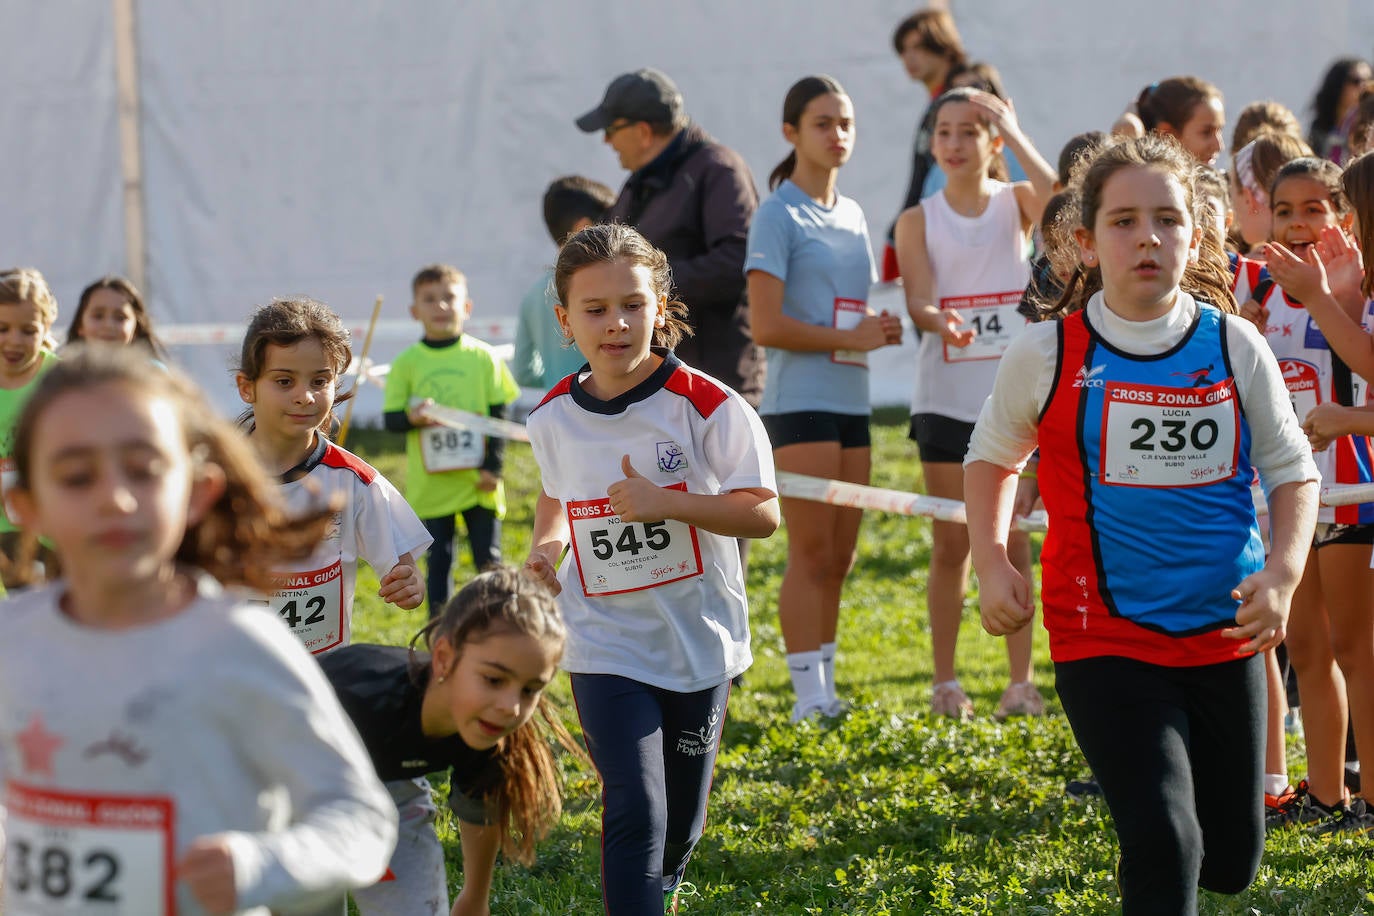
[(1179, 753), (484, 537)]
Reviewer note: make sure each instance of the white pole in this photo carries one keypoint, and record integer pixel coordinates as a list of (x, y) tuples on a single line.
[(130, 147)]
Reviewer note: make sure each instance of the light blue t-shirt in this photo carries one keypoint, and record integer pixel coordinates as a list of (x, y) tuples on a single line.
[(541, 360), (823, 256)]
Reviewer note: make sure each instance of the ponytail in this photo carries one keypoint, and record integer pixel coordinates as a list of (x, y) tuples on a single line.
[(782, 171)]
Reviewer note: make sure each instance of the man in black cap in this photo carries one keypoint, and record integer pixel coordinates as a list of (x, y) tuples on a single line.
[(693, 198)]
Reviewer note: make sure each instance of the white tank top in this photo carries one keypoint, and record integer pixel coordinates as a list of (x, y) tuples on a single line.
[(980, 268)]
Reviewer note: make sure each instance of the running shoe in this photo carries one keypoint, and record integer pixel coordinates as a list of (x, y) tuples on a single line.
[(1079, 789), (814, 713), (1295, 808), (671, 899), (1351, 817), (1020, 699), (949, 699)]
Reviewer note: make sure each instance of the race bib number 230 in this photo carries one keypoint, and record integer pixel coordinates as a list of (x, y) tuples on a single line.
[(615, 556), (1154, 436)]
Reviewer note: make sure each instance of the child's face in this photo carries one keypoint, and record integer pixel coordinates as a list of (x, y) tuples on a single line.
[(824, 136), (112, 484), (1302, 208), (492, 690), (1142, 238), (21, 339), (109, 318), (295, 391), (441, 308), (1200, 135), (962, 143), (611, 313)]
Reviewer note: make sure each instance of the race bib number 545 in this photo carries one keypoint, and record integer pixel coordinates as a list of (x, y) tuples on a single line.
[(615, 556), (87, 855), (1154, 436)]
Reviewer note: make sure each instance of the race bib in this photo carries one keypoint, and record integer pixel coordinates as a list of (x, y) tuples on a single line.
[(615, 556), (312, 605), (1169, 437), (848, 313), (994, 320), (87, 855), (1304, 385), (446, 449)]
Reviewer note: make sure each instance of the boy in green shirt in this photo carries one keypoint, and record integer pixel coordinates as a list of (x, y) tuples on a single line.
[(450, 472)]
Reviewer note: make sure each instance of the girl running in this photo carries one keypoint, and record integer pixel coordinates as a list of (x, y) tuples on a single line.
[(111, 311), (808, 271), (652, 590), (1331, 637), (465, 705), (171, 749), (964, 268), (1150, 408), (293, 354)]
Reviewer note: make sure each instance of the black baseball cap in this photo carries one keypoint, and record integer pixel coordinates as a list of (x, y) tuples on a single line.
[(644, 95)]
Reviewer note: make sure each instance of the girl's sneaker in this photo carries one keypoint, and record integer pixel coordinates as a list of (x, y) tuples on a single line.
[(949, 699), (1020, 699), (814, 713), (1351, 817), (1293, 808)]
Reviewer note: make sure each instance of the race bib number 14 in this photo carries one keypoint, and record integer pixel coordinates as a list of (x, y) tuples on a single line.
[(615, 556)]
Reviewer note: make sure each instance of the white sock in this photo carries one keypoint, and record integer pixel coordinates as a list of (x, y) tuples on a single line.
[(1275, 783), (828, 669), (807, 681)]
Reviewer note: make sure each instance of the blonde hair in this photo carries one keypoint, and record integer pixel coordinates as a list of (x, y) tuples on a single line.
[(26, 284)]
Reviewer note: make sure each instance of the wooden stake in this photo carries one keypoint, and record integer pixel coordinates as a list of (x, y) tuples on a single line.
[(362, 367)]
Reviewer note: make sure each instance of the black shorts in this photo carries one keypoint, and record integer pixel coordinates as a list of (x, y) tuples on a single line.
[(1328, 534), (940, 439), (850, 430)]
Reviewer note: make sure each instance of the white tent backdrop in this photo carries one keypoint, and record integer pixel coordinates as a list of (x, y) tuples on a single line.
[(309, 146)]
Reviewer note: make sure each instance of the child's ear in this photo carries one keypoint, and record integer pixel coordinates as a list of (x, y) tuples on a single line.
[(245, 387), (207, 486), (467, 309), (1195, 246), (562, 315), (1346, 221), (442, 658), (414, 311), (1167, 129), (1087, 246), (20, 507), (661, 318)]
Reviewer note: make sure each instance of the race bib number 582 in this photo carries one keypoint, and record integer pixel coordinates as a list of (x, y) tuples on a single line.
[(615, 556), (87, 855)]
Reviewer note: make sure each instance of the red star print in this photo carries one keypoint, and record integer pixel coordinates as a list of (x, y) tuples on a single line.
[(37, 746), (1288, 330)]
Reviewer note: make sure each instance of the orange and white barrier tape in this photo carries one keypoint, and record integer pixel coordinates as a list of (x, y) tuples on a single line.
[(487, 426)]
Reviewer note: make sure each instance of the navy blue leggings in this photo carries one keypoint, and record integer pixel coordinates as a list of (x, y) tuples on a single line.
[(655, 750), (484, 537), (1179, 753)]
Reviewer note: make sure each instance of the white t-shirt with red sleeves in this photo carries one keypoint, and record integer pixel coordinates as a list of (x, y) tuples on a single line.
[(659, 602), (373, 522)]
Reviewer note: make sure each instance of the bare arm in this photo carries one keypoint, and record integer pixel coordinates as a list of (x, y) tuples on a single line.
[(918, 282), (1042, 176), (772, 327), (480, 845)]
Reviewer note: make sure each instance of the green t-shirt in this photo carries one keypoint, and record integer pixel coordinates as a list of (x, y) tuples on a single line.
[(466, 375), (12, 401)]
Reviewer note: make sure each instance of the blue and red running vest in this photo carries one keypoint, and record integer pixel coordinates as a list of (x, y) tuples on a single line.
[(1145, 473)]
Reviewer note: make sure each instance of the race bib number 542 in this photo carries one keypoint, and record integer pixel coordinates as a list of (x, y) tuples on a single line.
[(1154, 436), (87, 855), (615, 556)]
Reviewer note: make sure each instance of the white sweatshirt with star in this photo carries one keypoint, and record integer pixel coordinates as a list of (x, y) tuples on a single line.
[(118, 748)]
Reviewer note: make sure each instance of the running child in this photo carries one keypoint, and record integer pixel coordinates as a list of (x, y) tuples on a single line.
[(170, 748), (1331, 636), (294, 352), (808, 272), (1150, 407), (111, 310), (450, 472), (465, 705), (28, 311), (964, 269), (651, 591)]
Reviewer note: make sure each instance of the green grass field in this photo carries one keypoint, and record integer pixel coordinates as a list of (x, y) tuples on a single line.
[(890, 810)]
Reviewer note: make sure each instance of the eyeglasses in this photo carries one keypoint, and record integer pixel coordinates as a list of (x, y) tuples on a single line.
[(616, 127)]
